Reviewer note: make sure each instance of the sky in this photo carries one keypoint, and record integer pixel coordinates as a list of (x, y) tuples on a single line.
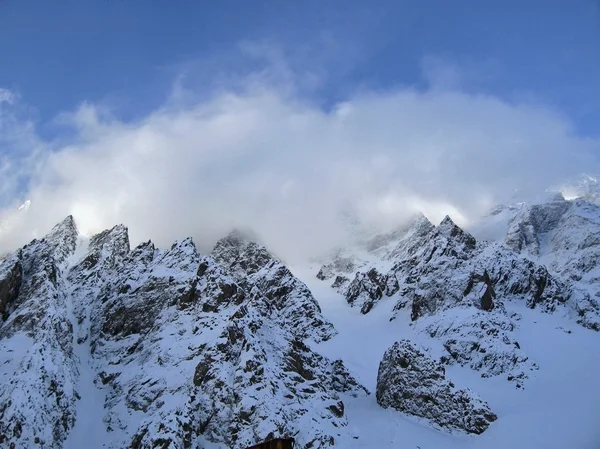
[(189, 118)]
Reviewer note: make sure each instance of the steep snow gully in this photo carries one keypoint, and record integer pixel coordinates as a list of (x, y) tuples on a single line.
[(427, 337)]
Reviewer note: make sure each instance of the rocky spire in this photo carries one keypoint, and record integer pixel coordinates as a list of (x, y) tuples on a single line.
[(448, 228), (62, 239)]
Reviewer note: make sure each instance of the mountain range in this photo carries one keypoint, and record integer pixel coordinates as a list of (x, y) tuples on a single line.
[(429, 336)]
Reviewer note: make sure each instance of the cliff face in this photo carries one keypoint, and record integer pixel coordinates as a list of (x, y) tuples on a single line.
[(412, 382)]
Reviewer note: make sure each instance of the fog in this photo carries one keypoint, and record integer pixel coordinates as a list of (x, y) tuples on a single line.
[(270, 159)]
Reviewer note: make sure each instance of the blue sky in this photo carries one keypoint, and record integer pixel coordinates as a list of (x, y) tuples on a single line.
[(127, 53), (189, 118)]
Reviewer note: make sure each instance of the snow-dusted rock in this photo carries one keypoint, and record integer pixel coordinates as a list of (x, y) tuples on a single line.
[(339, 265), (484, 342), (532, 221), (253, 267), (368, 288), (413, 383), (242, 373), (450, 270), (162, 348), (38, 371), (465, 288), (287, 388), (564, 235)]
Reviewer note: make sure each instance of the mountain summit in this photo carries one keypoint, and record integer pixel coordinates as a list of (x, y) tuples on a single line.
[(146, 347)]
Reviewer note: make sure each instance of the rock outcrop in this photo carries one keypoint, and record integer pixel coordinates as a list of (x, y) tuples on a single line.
[(484, 342), (257, 270), (368, 288), (412, 382)]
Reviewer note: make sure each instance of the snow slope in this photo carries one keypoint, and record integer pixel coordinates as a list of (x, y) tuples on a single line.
[(427, 284), (559, 406)]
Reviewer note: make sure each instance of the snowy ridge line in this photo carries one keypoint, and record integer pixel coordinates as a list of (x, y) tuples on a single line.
[(146, 347), (160, 343)]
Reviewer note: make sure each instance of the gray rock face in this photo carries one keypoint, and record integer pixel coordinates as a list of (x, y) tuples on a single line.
[(530, 223), (413, 383), (252, 356), (483, 286), (10, 284), (368, 288), (255, 268), (244, 369), (449, 270), (483, 341), (566, 234)]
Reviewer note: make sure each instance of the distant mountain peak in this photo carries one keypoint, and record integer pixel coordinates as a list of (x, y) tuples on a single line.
[(451, 230)]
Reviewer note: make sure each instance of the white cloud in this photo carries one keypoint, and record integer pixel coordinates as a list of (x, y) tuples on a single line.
[(264, 158), (7, 96), (444, 73)]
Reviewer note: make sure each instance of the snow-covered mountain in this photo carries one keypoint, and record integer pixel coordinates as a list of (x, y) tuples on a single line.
[(149, 348), (426, 336), (468, 302)]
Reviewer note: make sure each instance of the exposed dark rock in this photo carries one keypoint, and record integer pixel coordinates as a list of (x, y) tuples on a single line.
[(413, 383), (366, 290), (486, 300), (340, 283), (10, 284), (448, 228)]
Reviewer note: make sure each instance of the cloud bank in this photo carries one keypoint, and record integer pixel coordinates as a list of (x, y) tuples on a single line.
[(269, 159)]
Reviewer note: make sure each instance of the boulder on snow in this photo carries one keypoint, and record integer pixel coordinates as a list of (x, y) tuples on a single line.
[(366, 290), (413, 383), (339, 264)]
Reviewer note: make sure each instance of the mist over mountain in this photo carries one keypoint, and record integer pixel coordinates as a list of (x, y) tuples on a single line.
[(145, 347), (342, 224)]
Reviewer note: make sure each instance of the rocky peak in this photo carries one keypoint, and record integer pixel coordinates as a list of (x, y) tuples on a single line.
[(229, 247), (257, 271), (531, 222), (182, 254), (241, 255), (421, 223), (37, 410), (62, 239), (115, 240), (144, 250), (449, 229), (107, 248), (415, 228)]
